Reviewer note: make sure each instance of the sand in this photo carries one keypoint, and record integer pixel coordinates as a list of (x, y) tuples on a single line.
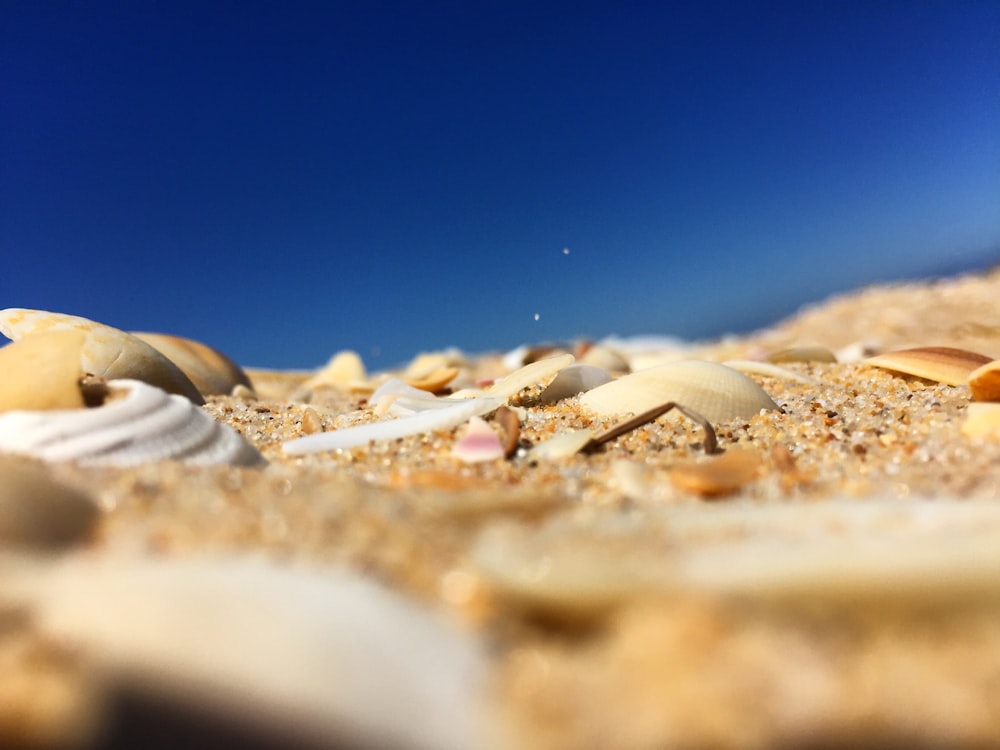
[(844, 591)]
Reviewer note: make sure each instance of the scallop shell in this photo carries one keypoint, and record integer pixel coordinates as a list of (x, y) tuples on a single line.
[(211, 371), (942, 364), (137, 424), (42, 372), (107, 352), (717, 392)]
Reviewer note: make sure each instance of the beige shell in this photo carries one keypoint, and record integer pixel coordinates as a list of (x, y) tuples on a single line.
[(345, 369), (984, 382), (42, 372), (137, 423), (539, 372), (942, 364), (802, 354), (982, 420), (716, 392), (37, 511), (107, 352), (211, 371), (717, 475)]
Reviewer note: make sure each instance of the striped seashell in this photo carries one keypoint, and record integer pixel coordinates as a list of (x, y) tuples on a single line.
[(942, 364), (211, 371), (716, 392), (137, 423), (106, 352)]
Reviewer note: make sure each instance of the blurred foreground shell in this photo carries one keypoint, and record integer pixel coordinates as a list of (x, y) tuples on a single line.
[(942, 364), (42, 372), (136, 424), (211, 371), (106, 352), (982, 420), (36, 511), (717, 392)]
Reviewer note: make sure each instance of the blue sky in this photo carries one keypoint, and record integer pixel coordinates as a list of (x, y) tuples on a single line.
[(284, 180)]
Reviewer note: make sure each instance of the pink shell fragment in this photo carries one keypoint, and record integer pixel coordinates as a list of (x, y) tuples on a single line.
[(480, 443)]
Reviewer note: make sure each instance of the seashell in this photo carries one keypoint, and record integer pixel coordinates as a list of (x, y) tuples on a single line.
[(311, 422), (344, 370), (211, 371), (37, 511), (107, 352), (716, 392), (717, 476), (605, 358), (984, 382), (802, 354), (942, 364), (433, 380), (770, 370), (451, 414), (530, 375), (572, 380), (982, 419), (510, 427), (136, 424), (563, 445), (480, 443), (42, 372)]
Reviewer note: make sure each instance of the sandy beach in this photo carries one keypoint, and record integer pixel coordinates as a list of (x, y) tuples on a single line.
[(828, 576)]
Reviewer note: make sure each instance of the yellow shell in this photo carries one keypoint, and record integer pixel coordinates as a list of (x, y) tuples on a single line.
[(42, 372), (106, 352), (984, 382)]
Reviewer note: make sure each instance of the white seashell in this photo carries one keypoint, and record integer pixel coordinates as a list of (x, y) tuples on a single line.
[(714, 391), (211, 371), (528, 376), (480, 443), (572, 380), (137, 424), (107, 352), (561, 446), (451, 415), (312, 659)]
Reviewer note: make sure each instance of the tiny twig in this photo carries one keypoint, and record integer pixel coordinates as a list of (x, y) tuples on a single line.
[(711, 443)]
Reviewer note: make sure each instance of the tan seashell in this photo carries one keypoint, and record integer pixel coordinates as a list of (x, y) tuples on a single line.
[(605, 358), (717, 476), (136, 424), (716, 392), (36, 511), (345, 369), (802, 354), (536, 373), (311, 422), (42, 372), (433, 380), (942, 364), (984, 382), (107, 352), (510, 428), (563, 445), (211, 371), (982, 419)]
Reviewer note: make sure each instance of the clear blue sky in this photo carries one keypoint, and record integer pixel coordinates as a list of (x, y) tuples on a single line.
[(283, 179)]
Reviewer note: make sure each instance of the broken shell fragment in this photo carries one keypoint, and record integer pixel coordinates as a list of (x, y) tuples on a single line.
[(480, 443), (211, 371), (345, 370), (539, 372), (572, 380), (802, 354), (42, 372), (717, 476), (36, 511), (717, 392), (106, 352), (136, 424), (984, 382), (942, 364), (563, 445), (433, 380), (510, 427)]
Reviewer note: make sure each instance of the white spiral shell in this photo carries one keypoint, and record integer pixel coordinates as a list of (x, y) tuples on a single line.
[(139, 424)]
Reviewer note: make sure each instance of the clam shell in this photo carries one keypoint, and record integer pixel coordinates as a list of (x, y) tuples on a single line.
[(719, 475), (572, 380), (36, 511), (137, 424), (716, 392), (942, 364), (42, 372), (536, 373), (984, 382), (107, 352), (345, 369), (211, 371)]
